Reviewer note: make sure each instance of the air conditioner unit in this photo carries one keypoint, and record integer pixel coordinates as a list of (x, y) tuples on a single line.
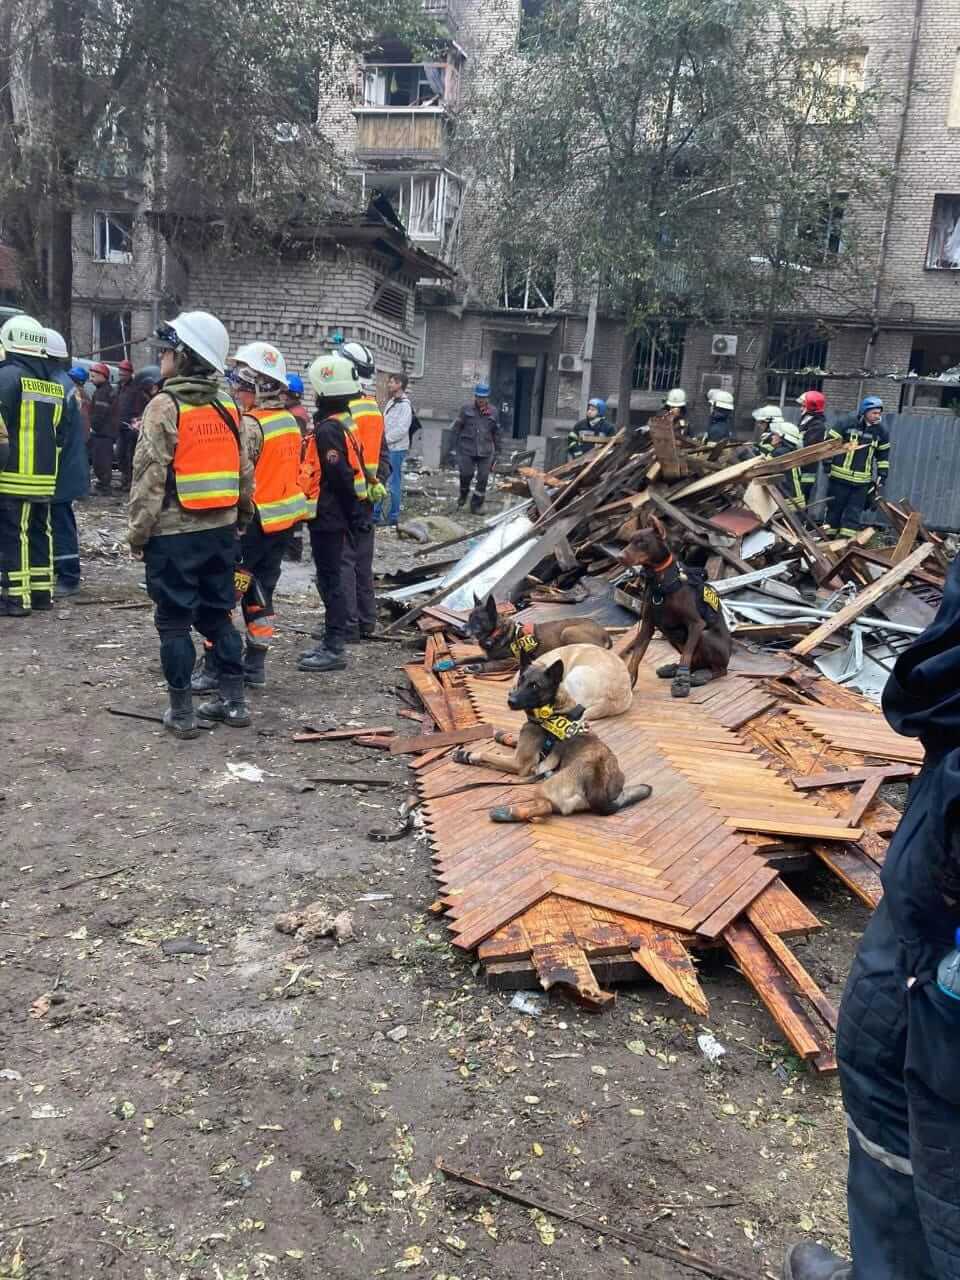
[(570, 363), (724, 344)]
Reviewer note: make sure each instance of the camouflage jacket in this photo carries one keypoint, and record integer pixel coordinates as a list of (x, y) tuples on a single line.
[(151, 513)]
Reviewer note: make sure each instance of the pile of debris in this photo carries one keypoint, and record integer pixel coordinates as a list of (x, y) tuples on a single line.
[(849, 605)]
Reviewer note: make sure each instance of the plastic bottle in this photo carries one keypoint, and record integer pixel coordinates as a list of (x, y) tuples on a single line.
[(948, 971)]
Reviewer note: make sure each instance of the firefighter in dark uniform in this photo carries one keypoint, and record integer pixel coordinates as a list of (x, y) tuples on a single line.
[(899, 1032), (785, 438), (475, 444), (813, 428), (852, 480), (33, 404), (594, 424), (334, 512)]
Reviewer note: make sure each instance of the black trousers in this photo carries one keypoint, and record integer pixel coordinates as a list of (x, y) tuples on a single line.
[(101, 459), (327, 548), (190, 580), (26, 552), (845, 506), (469, 465), (262, 554), (357, 575), (126, 444)]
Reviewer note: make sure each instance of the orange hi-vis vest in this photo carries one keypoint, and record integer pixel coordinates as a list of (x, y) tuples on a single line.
[(206, 461), (276, 479), (367, 437), (311, 472)]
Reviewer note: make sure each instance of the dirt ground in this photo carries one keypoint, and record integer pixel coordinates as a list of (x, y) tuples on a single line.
[(242, 1113)]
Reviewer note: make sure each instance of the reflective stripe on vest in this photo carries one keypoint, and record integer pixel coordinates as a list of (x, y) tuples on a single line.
[(206, 461), (354, 453), (856, 467), (31, 470), (368, 421), (277, 494)]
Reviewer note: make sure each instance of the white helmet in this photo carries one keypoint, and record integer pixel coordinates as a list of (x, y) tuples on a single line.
[(22, 335), (767, 413), (56, 345), (361, 357), (263, 358), (676, 398), (332, 376), (722, 400), (789, 430), (201, 333)]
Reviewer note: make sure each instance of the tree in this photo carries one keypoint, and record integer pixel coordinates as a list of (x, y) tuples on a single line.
[(682, 155), (213, 105)]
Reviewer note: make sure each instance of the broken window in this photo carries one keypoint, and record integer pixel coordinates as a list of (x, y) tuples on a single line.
[(111, 335), (794, 351), (528, 287), (113, 237), (822, 229), (417, 202), (659, 357), (943, 247), (405, 84)]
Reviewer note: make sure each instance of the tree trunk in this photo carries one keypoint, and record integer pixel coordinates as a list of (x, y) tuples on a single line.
[(61, 263), (627, 357)]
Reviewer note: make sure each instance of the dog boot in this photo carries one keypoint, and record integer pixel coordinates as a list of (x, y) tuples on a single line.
[(206, 678), (229, 706), (668, 671), (633, 795), (254, 667), (178, 717), (700, 678), (814, 1262), (681, 683)]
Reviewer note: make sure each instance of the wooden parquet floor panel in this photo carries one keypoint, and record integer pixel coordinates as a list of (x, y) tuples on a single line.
[(859, 731)]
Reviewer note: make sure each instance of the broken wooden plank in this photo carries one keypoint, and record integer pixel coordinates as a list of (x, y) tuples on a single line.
[(431, 694), (338, 735), (862, 601), (813, 829), (907, 538), (864, 799), (817, 560), (662, 954), (852, 777), (851, 865), (538, 491)]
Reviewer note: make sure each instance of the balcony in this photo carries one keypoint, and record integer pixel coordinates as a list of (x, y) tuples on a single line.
[(403, 133), (449, 11)]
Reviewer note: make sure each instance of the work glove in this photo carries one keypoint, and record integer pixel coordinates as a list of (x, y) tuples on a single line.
[(376, 492)]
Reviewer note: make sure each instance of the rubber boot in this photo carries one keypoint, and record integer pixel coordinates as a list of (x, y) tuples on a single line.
[(814, 1262), (476, 503), (178, 717), (254, 667), (321, 659), (229, 706), (206, 678)]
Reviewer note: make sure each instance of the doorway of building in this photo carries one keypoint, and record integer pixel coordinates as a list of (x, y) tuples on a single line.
[(516, 385)]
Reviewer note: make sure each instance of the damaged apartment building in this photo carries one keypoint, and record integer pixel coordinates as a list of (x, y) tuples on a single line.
[(535, 346)]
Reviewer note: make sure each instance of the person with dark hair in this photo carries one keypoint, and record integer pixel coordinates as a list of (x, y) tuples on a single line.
[(128, 406), (334, 512), (397, 419), (103, 429), (192, 493)]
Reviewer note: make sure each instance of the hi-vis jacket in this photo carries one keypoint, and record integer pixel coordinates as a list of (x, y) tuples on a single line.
[(873, 443), (327, 477), (366, 441), (206, 461), (276, 490), (155, 509), (32, 408)]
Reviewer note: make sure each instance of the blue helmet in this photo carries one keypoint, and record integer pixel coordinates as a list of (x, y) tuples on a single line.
[(295, 384), (599, 404), (868, 403), (482, 390), (78, 374)]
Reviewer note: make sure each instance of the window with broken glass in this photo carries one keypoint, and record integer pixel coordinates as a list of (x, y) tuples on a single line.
[(113, 237)]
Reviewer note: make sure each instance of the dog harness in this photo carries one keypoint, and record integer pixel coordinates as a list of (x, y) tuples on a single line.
[(560, 725), (666, 578)]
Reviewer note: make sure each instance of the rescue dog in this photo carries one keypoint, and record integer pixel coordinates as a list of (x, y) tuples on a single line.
[(683, 607), (502, 639), (556, 751)]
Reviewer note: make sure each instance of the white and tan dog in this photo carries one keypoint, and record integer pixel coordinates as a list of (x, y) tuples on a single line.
[(593, 678)]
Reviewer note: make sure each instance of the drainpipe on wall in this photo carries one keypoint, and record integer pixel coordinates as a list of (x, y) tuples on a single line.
[(588, 343), (892, 197)]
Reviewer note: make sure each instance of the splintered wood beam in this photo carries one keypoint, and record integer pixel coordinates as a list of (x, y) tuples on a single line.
[(859, 873), (430, 741), (662, 954), (852, 777), (907, 538), (861, 602), (818, 561), (863, 799), (801, 829)]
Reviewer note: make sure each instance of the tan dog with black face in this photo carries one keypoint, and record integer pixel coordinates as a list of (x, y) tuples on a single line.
[(505, 641), (573, 770)]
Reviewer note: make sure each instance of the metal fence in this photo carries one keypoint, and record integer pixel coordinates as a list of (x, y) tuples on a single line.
[(925, 465)]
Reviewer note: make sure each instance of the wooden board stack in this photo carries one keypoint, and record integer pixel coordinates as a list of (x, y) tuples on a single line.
[(582, 902)]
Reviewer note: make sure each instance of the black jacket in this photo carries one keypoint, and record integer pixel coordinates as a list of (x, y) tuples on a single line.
[(337, 505), (101, 412), (73, 474)]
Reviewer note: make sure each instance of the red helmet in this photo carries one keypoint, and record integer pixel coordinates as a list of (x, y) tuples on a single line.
[(813, 401), (126, 366), (101, 368)]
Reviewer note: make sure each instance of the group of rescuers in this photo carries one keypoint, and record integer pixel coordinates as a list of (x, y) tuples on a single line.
[(854, 477), (220, 479)]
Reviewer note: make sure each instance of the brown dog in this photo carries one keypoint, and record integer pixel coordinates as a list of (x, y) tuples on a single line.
[(574, 772), (686, 610), (502, 639)]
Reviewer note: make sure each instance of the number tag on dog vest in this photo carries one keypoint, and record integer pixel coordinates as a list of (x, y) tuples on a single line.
[(560, 725), (524, 640), (711, 598), (241, 581)]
